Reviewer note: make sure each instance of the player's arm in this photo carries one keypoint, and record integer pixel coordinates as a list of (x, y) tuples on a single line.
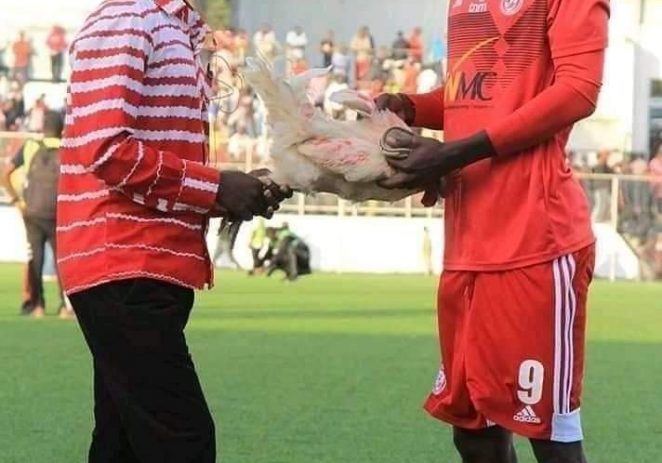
[(107, 87), (577, 34)]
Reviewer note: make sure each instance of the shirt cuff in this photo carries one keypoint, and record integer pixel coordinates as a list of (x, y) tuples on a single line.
[(200, 185)]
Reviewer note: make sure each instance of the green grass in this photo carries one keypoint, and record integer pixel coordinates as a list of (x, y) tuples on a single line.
[(331, 369)]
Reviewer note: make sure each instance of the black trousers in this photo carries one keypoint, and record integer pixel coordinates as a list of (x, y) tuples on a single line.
[(148, 403), (40, 232)]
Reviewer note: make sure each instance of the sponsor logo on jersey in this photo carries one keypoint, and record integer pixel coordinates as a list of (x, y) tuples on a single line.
[(527, 415), (461, 86), (478, 7), (440, 382), (511, 7)]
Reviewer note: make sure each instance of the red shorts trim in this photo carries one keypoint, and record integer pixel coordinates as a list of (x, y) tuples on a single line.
[(512, 344)]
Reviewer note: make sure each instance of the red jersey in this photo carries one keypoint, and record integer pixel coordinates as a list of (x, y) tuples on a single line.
[(134, 193), (522, 207)]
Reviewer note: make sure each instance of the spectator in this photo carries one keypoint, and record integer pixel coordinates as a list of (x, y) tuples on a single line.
[(14, 106), (240, 144), (292, 255), (341, 62), (296, 41), (41, 161), (416, 45), (327, 47), (400, 47), (57, 45), (241, 44), (411, 71), (335, 110), (363, 46), (656, 182), (4, 69), (602, 189), (299, 66), (35, 117), (265, 42), (225, 246), (23, 51), (256, 244)]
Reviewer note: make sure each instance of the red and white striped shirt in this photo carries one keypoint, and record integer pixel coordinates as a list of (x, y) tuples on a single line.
[(134, 190)]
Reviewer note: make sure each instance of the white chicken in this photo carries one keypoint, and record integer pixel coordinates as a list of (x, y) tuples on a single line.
[(312, 152)]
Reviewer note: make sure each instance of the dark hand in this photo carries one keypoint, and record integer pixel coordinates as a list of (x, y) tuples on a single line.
[(273, 192), (241, 196), (429, 160), (399, 103)]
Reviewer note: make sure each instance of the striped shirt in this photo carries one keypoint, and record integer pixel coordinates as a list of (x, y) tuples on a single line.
[(134, 193)]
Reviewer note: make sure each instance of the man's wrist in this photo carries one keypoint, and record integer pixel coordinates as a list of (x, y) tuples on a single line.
[(408, 108), (473, 149)]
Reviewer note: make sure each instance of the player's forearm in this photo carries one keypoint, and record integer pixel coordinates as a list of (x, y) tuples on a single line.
[(572, 97), (429, 109)]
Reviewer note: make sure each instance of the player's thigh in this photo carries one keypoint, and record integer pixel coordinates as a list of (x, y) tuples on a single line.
[(525, 366)]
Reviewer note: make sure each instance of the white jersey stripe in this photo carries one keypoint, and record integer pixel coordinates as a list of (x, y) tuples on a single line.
[(105, 105), (72, 169), (84, 223), (156, 249), (82, 197), (120, 59), (200, 185), (134, 218)]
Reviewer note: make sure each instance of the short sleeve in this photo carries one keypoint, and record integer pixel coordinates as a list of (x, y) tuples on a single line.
[(577, 26)]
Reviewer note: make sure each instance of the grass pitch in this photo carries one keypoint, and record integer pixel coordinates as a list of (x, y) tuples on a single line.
[(331, 369)]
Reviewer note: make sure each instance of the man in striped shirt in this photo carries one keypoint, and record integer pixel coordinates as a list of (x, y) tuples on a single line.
[(133, 207)]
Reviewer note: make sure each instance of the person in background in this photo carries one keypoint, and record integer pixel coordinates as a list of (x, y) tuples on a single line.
[(341, 62), (656, 179), (14, 106), (416, 46), (57, 45), (38, 205), (4, 69), (292, 255), (23, 52), (327, 46), (410, 73), (427, 252), (241, 45), (225, 246), (36, 115), (363, 46), (602, 188), (256, 244), (265, 42), (333, 109), (296, 41), (400, 47)]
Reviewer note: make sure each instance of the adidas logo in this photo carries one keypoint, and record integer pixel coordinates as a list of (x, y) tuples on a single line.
[(527, 415)]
